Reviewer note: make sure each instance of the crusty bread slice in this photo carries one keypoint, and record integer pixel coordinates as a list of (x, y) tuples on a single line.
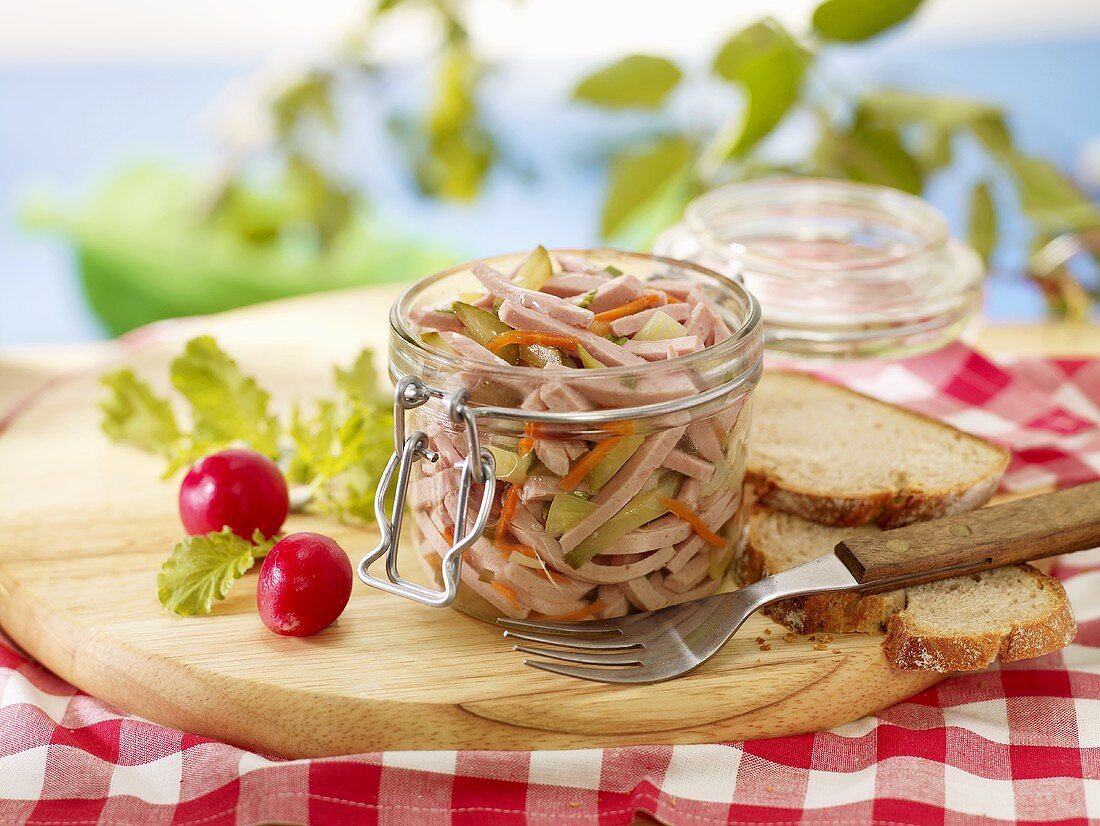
[(776, 541), (964, 623), (841, 458), (958, 624)]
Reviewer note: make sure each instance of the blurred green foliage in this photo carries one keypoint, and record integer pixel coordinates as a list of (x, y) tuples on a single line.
[(636, 80), (146, 252), (281, 219), (894, 137)]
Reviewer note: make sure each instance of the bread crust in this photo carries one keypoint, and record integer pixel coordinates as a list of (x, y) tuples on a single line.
[(886, 507), (911, 648), (832, 613), (907, 646)]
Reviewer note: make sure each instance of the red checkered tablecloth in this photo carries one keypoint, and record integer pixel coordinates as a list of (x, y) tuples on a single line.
[(1017, 743)]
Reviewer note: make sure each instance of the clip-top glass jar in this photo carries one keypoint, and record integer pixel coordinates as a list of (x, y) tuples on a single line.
[(841, 270), (594, 491)]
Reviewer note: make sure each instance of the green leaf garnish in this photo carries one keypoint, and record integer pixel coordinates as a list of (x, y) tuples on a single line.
[(360, 382), (133, 414), (202, 569), (227, 405), (636, 80), (339, 454), (336, 453)]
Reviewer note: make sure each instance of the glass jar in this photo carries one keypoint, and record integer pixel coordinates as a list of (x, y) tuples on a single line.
[(841, 270), (600, 491)]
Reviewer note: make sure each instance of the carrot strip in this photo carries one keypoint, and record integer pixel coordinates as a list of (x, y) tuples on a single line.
[(625, 428), (526, 550), (527, 443), (449, 535), (585, 464), (507, 512), (685, 512), (629, 308), (502, 340), (580, 613), (504, 591)]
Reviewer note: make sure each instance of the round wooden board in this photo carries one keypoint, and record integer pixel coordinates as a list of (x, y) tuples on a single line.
[(85, 525)]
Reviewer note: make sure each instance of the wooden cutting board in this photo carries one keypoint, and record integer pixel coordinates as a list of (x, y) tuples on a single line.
[(85, 525)]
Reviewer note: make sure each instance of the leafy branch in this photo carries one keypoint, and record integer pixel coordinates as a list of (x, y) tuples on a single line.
[(894, 137), (306, 197)]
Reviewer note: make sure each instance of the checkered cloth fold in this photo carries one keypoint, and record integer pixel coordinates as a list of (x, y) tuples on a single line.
[(1016, 743)]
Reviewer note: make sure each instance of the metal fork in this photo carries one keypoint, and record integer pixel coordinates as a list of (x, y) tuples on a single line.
[(659, 645)]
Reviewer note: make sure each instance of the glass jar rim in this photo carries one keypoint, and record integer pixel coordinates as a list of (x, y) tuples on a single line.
[(741, 338), (934, 232)]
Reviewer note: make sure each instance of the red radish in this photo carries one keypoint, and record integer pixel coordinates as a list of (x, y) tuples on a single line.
[(305, 583), (241, 489)]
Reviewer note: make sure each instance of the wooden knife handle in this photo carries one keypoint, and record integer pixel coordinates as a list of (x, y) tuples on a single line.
[(1031, 528)]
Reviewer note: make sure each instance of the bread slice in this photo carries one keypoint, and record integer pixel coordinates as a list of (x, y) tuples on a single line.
[(964, 623), (841, 458), (776, 541), (958, 624)]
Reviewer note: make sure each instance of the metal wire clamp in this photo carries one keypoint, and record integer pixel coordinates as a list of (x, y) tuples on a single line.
[(411, 393)]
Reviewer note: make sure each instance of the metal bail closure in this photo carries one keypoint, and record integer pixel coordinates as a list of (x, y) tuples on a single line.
[(411, 393)]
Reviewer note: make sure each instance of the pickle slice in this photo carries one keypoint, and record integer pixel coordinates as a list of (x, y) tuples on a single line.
[(434, 339), (566, 511), (643, 508), (587, 359), (482, 326), (659, 327), (610, 464), (511, 467), (535, 271)]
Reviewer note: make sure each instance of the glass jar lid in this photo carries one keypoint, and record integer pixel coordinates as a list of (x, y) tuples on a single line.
[(840, 269)]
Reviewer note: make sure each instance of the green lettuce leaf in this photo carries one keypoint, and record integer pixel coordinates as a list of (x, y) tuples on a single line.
[(360, 381), (340, 454), (228, 406), (202, 569), (337, 454), (133, 414)]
